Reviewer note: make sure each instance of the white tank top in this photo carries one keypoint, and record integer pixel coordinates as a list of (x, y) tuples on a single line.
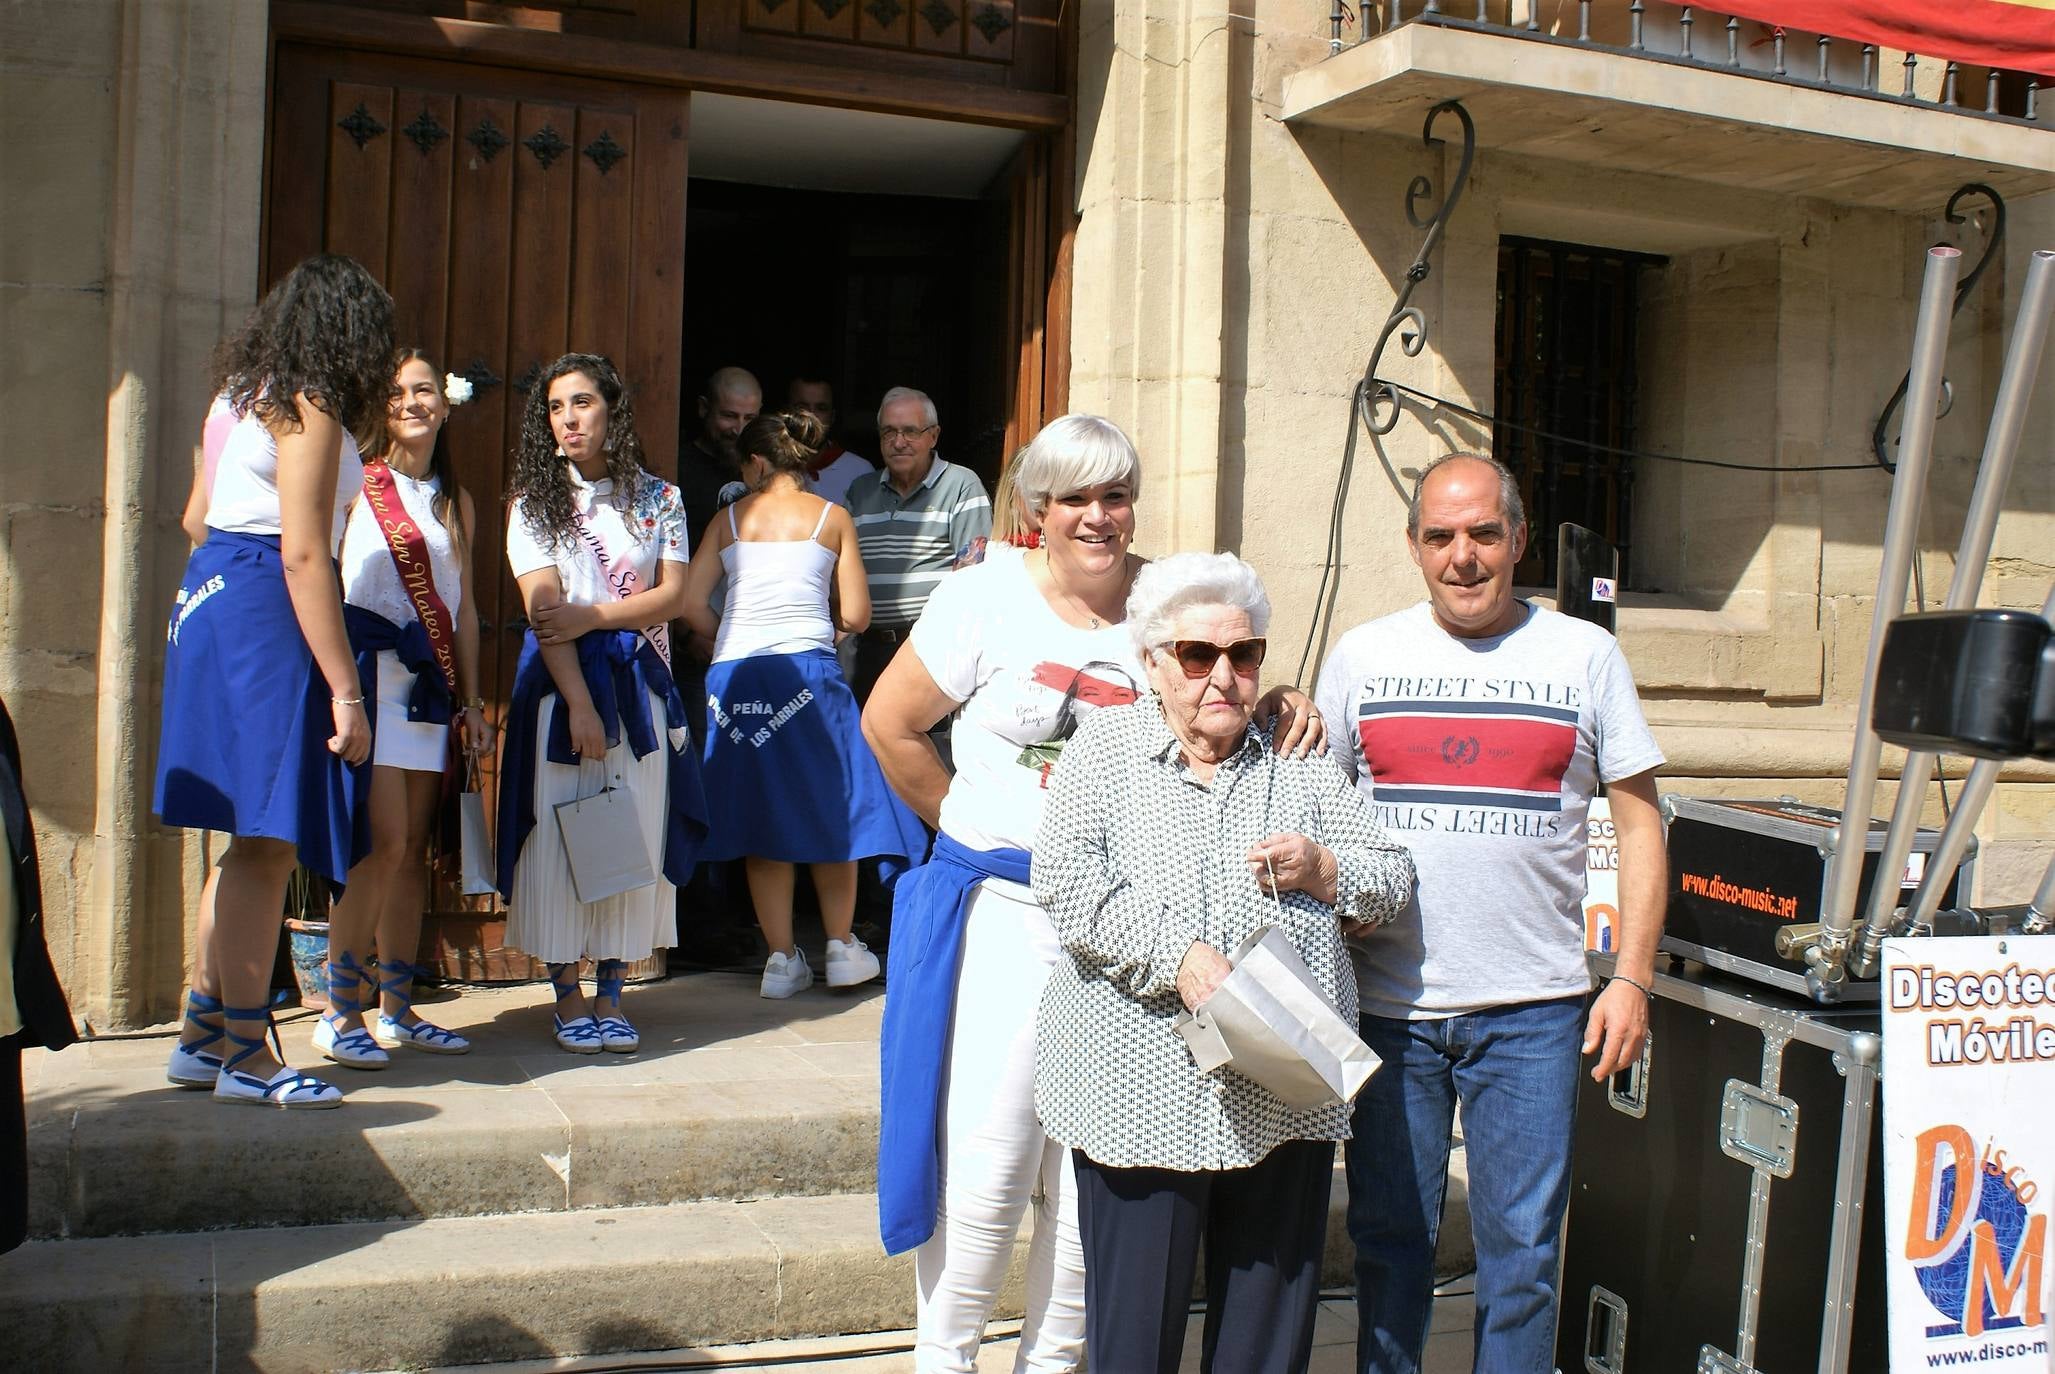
[(368, 576), (777, 594), (244, 497)]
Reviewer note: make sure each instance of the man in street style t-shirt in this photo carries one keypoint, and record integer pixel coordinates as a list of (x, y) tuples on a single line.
[(1479, 727)]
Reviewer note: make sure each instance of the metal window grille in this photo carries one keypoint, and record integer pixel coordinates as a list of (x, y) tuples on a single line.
[(1565, 389)]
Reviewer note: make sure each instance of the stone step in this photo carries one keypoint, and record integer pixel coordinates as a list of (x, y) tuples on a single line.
[(457, 1290), (511, 1203), (731, 1098), (462, 1290)]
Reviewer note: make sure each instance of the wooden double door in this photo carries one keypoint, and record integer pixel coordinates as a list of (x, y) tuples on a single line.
[(514, 216)]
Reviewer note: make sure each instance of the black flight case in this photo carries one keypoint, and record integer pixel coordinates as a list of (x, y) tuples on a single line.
[(1740, 871), (1726, 1205)]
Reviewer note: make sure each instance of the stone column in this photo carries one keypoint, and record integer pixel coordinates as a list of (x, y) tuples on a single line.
[(1158, 106), (135, 138)]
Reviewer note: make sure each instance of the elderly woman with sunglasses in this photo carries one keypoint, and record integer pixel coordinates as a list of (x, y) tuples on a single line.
[(1018, 650), (1172, 833)]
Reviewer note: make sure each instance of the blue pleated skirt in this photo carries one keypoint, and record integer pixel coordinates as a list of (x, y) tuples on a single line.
[(247, 720), (787, 771)]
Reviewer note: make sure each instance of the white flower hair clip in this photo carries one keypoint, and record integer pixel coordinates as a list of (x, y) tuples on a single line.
[(457, 390)]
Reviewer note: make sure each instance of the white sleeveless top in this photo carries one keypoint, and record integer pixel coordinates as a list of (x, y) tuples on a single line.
[(777, 595), (244, 498), (369, 578)]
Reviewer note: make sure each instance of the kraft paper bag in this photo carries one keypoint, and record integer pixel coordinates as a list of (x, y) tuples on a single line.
[(603, 844), (474, 842), (1270, 1023)]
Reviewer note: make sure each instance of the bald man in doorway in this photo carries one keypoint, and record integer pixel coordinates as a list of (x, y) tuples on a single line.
[(730, 399), (716, 927)]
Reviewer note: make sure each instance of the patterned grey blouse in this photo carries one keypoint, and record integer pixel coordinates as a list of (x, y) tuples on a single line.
[(1136, 859)]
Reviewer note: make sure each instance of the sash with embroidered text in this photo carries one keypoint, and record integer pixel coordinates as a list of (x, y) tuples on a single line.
[(619, 575), (409, 548)]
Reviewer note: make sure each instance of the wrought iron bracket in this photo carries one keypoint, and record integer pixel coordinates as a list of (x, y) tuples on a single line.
[(1377, 400), (1879, 439)]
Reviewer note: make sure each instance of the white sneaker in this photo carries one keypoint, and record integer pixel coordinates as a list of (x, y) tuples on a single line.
[(785, 974), (850, 962)]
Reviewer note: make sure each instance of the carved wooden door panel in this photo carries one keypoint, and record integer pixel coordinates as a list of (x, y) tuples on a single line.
[(514, 216)]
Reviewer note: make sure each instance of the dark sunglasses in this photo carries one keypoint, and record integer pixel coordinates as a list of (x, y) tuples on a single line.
[(1197, 656)]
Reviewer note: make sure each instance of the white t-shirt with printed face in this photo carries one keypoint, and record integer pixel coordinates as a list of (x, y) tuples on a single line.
[(653, 529), (991, 641), (1481, 756)]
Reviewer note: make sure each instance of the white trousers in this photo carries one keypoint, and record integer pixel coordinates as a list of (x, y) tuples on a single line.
[(996, 1160)]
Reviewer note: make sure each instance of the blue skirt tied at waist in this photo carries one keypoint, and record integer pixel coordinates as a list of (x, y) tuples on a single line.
[(246, 716), (621, 670), (431, 702), (929, 910)]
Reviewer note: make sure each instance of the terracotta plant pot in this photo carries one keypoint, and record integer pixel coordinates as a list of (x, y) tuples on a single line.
[(308, 944)]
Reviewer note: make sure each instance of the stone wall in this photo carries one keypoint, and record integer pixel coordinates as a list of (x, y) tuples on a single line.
[(1232, 274), (128, 245)]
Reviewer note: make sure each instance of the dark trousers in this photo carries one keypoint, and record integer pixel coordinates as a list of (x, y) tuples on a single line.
[(874, 650), (1264, 1229), (14, 1147)]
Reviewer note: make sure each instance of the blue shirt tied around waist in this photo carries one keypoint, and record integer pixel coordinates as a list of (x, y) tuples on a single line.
[(621, 670), (431, 702), (246, 715), (929, 908)]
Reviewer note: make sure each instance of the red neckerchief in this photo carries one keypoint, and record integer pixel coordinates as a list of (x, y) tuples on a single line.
[(830, 451), (409, 548)]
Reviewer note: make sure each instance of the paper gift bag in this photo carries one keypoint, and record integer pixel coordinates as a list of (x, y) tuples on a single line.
[(604, 845), (480, 866), (1270, 1023)]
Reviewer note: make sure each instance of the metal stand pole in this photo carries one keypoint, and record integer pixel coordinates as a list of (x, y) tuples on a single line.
[(1828, 972), (1994, 470)]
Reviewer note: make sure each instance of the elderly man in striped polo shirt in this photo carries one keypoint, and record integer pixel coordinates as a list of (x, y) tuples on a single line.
[(911, 518)]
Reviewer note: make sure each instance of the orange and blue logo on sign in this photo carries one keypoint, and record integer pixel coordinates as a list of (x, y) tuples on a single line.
[(1976, 1244)]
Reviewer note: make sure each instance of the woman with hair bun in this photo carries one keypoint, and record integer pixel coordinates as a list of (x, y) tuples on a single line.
[(785, 755), (597, 545), (265, 735)]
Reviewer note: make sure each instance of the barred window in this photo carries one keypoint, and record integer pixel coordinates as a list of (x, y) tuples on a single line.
[(1565, 389)]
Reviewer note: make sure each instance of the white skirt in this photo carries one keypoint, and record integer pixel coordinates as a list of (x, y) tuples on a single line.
[(545, 917), (418, 746)]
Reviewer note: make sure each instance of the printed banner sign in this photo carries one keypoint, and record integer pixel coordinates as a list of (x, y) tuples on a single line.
[(1601, 876), (2018, 35), (1969, 1151)]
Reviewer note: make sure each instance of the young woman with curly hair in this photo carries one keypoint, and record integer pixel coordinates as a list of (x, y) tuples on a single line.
[(598, 547), (265, 735), (784, 746), (413, 620)]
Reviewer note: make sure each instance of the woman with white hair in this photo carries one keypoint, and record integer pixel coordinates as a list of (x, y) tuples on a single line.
[(1020, 649), (1171, 835)]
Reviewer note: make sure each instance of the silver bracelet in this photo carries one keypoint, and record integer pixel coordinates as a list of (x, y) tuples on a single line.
[(346, 701)]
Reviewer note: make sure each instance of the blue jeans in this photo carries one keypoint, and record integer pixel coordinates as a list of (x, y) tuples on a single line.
[(1514, 1069)]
